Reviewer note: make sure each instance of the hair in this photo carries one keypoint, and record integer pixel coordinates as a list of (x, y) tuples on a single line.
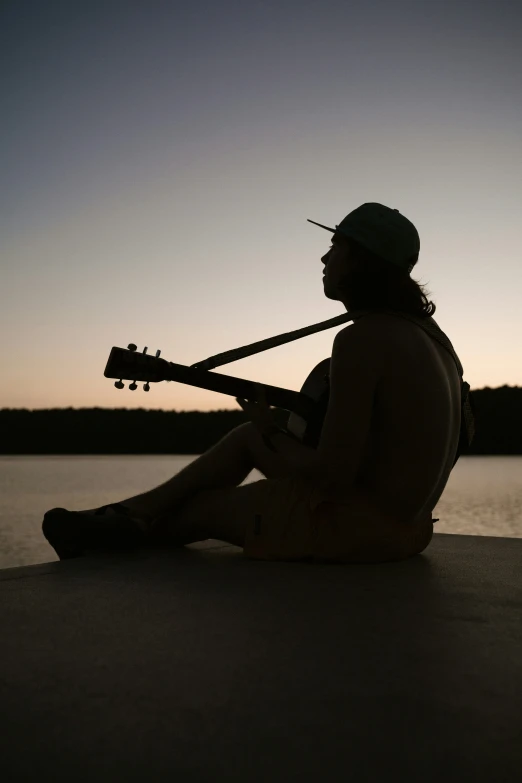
[(374, 282)]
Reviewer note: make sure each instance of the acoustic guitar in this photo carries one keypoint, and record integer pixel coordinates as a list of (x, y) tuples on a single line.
[(307, 407)]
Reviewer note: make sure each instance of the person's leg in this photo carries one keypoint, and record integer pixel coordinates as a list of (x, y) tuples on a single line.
[(269, 519), (222, 514), (225, 465), (189, 495)]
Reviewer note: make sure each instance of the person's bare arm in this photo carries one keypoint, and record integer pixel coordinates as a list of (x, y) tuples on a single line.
[(355, 369)]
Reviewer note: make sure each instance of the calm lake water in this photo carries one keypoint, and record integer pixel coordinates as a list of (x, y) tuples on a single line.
[(483, 496)]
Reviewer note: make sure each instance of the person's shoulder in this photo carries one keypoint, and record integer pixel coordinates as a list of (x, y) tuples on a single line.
[(367, 327), (361, 345), (360, 357), (369, 342)]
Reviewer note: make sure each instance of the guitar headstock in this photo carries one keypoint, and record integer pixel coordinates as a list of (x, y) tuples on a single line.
[(134, 366)]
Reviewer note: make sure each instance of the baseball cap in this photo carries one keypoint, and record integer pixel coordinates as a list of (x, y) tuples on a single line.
[(382, 230)]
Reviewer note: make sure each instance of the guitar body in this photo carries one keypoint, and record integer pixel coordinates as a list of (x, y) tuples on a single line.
[(317, 387)]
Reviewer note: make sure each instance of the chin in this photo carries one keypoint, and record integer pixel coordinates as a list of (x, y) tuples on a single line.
[(334, 295)]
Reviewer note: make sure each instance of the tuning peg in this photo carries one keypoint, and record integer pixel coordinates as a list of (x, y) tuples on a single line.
[(133, 386), (132, 347), (146, 386), (119, 384), (145, 349), (157, 354)]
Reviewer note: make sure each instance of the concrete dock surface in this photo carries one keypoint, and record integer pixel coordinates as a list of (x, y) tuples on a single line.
[(197, 664)]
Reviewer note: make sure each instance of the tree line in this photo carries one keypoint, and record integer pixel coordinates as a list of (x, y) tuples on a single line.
[(140, 431)]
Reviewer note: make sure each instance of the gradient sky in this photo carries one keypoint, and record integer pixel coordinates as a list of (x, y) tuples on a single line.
[(159, 161)]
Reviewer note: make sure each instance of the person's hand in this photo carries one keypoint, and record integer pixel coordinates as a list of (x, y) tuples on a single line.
[(259, 411)]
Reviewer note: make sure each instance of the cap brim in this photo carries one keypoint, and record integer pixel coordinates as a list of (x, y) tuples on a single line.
[(321, 225)]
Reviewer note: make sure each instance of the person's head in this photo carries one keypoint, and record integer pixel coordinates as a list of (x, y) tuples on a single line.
[(362, 281), (361, 278)]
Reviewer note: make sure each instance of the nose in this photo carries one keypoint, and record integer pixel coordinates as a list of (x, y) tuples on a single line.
[(324, 258)]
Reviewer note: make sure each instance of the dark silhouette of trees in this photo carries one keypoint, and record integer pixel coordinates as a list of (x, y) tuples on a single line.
[(140, 431), (498, 420), (114, 430)]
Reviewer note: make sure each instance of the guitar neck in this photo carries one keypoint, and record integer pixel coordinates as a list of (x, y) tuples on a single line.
[(239, 387), (140, 367)]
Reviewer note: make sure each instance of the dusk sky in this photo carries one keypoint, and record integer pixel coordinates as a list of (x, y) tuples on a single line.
[(160, 160)]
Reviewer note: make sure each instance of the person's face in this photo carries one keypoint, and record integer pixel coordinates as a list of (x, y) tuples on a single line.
[(337, 265)]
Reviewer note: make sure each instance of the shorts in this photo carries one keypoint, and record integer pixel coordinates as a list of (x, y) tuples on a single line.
[(280, 524), (290, 520)]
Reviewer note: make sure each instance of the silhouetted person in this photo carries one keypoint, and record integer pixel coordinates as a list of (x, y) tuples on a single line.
[(386, 449)]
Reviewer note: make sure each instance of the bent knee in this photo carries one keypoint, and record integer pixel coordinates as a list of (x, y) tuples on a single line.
[(268, 462)]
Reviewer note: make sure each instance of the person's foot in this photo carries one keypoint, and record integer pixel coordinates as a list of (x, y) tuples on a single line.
[(111, 527)]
